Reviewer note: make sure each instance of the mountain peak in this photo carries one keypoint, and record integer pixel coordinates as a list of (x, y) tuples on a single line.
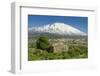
[(57, 28)]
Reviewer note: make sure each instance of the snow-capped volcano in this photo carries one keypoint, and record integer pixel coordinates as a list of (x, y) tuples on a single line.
[(56, 28)]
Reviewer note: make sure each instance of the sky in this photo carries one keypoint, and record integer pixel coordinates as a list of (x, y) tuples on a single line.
[(80, 23)]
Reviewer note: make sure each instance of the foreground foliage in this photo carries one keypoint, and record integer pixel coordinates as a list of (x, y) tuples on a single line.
[(72, 53), (40, 49)]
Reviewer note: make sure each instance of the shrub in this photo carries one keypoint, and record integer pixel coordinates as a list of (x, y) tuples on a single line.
[(50, 49), (44, 44)]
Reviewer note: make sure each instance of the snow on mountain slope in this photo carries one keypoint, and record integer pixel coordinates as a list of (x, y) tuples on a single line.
[(56, 28)]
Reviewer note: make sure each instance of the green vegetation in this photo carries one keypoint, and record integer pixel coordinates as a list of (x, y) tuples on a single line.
[(44, 44), (41, 49)]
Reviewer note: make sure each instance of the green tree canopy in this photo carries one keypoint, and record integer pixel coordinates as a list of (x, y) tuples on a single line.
[(43, 43)]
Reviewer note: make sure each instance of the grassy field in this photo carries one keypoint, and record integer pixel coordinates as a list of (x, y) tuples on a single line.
[(76, 49)]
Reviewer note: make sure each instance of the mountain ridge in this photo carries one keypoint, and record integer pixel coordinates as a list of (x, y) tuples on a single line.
[(56, 28)]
